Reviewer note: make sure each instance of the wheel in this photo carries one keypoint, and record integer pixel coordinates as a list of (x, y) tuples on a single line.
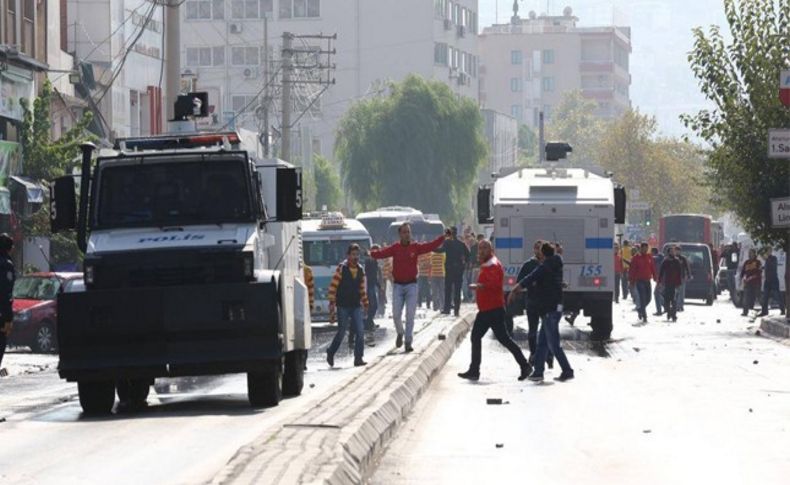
[(96, 398), (710, 298), (602, 325), (293, 376), (45, 341), (736, 300), (265, 389), (133, 393)]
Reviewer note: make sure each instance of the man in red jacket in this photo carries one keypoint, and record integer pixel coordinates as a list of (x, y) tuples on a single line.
[(640, 273), (404, 256), (491, 313)]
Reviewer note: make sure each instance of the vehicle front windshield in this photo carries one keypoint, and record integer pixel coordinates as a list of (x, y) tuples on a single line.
[(36, 288), (329, 253), (173, 194)]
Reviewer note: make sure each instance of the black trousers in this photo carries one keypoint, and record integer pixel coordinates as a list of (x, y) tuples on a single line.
[(670, 302), (750, 297), (453, 280), (2, 348), (495, 320), (771, 290), (533, 323)]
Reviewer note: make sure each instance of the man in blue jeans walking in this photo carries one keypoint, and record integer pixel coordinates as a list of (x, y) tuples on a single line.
[(348, 295), (546, 281)]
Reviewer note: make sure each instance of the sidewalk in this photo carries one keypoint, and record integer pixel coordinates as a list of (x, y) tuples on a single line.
[(776, 325), (337, 440)]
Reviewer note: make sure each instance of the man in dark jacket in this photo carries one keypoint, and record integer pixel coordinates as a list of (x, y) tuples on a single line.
[(658, 293), (670, 276), (751, 274), (372, 278), (456, 258), (348, 296), (7, 278), (531, 302), (547, 282), (771, 284)]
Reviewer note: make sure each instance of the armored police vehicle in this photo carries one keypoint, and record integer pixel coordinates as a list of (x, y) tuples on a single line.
[(192, 267), (572, 207)]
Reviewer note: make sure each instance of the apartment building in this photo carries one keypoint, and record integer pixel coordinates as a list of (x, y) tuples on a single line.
[(121, 42), (501, 133), (527, 65), (222, 52)]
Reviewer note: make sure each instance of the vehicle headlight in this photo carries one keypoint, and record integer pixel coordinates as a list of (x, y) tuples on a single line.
[(23, 316), (248, 264), (89, 274)]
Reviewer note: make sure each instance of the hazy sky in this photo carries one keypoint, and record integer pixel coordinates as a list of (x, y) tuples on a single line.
[(661, 34)]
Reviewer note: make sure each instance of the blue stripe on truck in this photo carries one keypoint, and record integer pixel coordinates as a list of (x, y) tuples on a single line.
[(599, 243), (509, 243)]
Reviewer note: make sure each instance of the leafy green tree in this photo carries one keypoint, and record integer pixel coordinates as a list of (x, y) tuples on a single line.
[(574, 121), (45, 159), (527, 146), (738, 73), (421, 145), (327, 185)]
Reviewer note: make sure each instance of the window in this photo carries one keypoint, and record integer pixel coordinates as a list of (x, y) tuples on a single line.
[(248, 9), (251, 9), (242, 102), (548, 84), (515, 85), (547, 112), (300, 9), (439, 7), (515, 111), (267, 7), (244, 56), (548, 56), (516, 57), (199, 9), (218, 54), (202, 56), (218, 8), (440, 53)]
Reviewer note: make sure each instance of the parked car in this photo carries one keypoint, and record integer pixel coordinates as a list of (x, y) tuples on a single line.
[(701, 285), (35, 308)]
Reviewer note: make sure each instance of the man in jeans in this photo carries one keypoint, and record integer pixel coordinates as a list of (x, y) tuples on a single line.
[(404, 256), (642, 271), (771, 284), (547, 282), (751, 275), (658, 293), (348, 295), (670, 276), (456, 259)]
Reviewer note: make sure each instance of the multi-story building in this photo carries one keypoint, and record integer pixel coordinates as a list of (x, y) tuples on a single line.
[(501, 133), (527, 65), (123, 43), (222, 52)]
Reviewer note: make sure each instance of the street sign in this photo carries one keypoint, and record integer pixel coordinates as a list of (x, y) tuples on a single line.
[(780, 212), (784, 87), (639, 206), (779, 143)]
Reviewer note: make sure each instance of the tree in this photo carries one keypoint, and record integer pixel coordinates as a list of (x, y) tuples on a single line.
[(421, 145), (327, 185), (527, 146), (45, 159), (574, 121), (740, 78)]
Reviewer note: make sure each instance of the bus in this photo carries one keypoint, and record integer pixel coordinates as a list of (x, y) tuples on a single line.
[(691, 228), (325, 242), (377, 222), (423, 228)]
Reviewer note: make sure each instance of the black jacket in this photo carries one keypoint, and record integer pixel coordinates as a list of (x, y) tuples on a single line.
[(372, 273), (547, 282), (457, 255), (7, 278), (530, 293)]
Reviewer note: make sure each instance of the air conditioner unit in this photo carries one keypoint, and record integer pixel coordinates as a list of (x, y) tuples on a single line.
[(251, 73), (461, 31), (235, 28), (448, 24)]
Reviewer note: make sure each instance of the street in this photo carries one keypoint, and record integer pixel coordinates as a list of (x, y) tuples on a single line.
[(704, 400)]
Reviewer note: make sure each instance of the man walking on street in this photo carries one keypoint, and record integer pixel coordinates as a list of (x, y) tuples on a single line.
[(751, 274), (437, 280), (771, 285), (373, 286), (491, 313), (404, 256), (547, 282), (670, 276), (642, 271), (532, 304), (618, 272), (456, 259), (658, 294), (347, 296), (7, 278), (625, 254), (680, 294)]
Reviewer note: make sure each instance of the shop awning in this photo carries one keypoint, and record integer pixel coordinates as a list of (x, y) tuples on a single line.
[(34, 190)]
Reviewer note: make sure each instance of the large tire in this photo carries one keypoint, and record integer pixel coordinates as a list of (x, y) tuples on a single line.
[(133, 393), (45, 340), (96, 398), (736, 300), (602, 325), (265, 389), (293, 376)]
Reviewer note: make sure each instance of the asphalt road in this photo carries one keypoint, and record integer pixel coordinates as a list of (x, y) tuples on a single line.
[(191, 428), (704, 400)]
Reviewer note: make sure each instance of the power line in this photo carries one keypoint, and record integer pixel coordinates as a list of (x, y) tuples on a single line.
[(252, 101)]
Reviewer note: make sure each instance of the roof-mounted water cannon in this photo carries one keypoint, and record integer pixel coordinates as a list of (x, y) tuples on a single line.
[(556, 151)]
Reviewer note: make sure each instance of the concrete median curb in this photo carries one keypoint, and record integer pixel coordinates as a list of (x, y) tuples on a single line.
[(778, 327), (337, 440)]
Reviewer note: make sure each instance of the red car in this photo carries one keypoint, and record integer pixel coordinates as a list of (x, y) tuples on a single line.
[(35, 309)]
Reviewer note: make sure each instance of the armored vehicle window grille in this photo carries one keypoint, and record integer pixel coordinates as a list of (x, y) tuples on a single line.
[(568, 232)]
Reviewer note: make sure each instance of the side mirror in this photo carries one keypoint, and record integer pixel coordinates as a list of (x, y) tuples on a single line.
[(62, 204), (289, 194), (484, 206), (619, 204)]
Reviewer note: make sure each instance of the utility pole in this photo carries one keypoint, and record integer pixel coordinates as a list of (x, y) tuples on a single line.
[(285, 149), (266, 82), (172, 56), (541, 139)]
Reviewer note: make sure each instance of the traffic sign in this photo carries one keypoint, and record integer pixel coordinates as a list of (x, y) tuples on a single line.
[(779, 143), (639, 206), (780, 212), (784, 87)]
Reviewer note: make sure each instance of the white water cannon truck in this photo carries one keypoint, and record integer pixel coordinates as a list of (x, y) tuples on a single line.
[(193, 266), (569, 206)]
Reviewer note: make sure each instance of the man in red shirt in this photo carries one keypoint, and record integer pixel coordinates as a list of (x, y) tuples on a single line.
[(404, 256), (640, 273), (491, 313)]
